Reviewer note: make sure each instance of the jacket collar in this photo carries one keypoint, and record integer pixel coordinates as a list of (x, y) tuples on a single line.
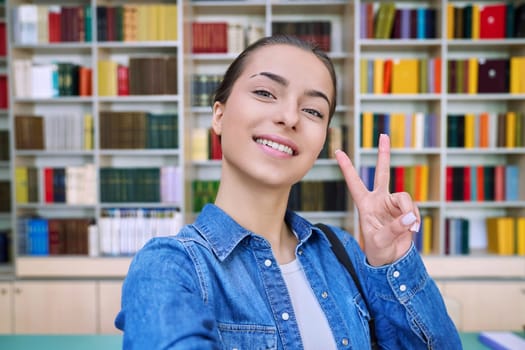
[(223, 233)]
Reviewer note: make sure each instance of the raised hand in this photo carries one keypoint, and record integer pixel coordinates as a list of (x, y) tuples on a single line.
[(387, 220)]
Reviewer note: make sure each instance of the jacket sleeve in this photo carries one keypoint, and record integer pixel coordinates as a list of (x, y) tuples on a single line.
[(406, 304), (162, 307)]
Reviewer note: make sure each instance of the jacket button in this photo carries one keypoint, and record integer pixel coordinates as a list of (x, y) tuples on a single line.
[(344, 341), (268, 262), (285, 316)]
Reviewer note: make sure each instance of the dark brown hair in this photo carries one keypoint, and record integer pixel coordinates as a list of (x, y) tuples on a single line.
[(237, 66)]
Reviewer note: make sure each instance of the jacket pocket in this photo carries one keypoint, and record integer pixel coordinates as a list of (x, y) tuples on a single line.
[(247, 337)]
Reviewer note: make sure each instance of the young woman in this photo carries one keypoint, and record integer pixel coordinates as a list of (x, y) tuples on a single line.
[(248, 274)]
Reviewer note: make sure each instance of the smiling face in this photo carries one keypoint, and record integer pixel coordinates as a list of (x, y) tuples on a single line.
[(274, 121)]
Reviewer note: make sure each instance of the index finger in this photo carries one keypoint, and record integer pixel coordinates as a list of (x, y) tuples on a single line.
[(356, 187), (382, 176)]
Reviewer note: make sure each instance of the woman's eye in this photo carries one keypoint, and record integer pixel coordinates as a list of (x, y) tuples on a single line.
[(313, 112), (263, 93)]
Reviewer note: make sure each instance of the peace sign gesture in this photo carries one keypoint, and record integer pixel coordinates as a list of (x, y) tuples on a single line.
[(387, 220)]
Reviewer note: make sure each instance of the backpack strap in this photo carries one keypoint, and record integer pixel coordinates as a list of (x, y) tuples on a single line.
[(344, 259)]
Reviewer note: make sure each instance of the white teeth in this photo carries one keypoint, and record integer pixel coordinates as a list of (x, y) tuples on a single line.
[(275, 145)]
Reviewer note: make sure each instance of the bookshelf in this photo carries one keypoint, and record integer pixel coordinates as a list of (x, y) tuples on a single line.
[(97, 274)]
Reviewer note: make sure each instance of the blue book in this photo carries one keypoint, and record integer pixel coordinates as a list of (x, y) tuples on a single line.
[(512, 184), (502, 340)]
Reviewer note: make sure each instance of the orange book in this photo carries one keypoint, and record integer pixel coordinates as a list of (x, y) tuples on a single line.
[(437, 75), (480, 175), (484, 130), (84, 81), (387, 76)]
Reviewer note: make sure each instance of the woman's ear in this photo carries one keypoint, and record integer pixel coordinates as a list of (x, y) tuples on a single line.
[(216, 123)]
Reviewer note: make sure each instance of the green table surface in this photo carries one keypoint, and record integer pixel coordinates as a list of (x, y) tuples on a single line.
[(114, 342)]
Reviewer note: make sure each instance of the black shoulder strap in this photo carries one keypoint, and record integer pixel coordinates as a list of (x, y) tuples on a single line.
[(344, 259)]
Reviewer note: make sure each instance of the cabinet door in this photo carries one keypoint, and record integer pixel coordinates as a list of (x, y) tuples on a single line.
[(109, 305), (488, 305), (55, 307), (6, 308)]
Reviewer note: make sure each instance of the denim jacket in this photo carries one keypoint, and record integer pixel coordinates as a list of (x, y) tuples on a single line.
[(217, 285)]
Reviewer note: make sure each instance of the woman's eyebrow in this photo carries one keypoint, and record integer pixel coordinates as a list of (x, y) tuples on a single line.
[(284, 82)]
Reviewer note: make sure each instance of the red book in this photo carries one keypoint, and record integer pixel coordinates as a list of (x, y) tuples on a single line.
[(448, 183), (216, 150), (466, 184), (122, 80), (399, 175), (53, 19), (4, 96), (492, 21), (84, 81), (3, 39), (48, 185)]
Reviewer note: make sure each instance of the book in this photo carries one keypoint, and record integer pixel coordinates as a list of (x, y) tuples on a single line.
[(501, 340)]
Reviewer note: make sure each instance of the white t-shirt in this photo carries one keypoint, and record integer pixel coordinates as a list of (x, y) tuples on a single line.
[(313, 325)]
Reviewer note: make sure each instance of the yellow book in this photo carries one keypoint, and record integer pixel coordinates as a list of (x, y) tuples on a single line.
[(405, 76), (410, 175), (367, 130), (397, 130), (427, 235), (21, 185), (142, 22), (469, 130), (378, 75), (199, 144), (88, 131), (517, 75), (472, 75), (424, 182), (153, 25), (363, 76), (450, 21), (520, 235), (508, 236), (107, 78), (510, 130), (475, 21), (172, 21)]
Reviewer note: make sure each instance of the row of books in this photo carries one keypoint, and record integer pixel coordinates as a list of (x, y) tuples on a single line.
[(53, 236), (137, 22), (5, 244), (424, 238), (387, 21), (223, 36), (203, 87), (457, 236), (406, 130), (482, 183), (311, 196), (486, 21), (72, 131), (336, 138), (122, 232), (4, 145), (205, 145), (5, 196), (413, 179), (479, 75), (319, 32), (152, 75), (71, 184), (39, 24), (138, 130), (400, 76), (47, 80), (140, 185), (486, 130)]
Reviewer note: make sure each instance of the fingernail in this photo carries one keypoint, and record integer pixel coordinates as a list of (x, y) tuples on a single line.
[(408, 219), (415, 227), (337, 150)]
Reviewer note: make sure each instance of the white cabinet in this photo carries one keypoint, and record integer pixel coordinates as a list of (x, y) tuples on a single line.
[(109, 293)]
